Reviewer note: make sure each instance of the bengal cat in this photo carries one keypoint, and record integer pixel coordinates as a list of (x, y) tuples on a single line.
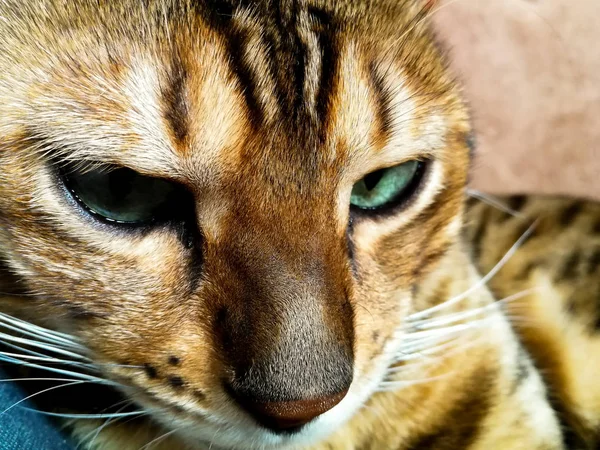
[(247, 221)]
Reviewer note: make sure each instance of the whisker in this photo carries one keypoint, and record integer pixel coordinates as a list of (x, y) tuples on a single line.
[(427, 352), (435, 353), (88, 416), (492, 201), (40, 330), (42, 345), (482, 281), (91, 366), (158, 439), (7, 380), (47, 359), (418, 345), (456, 317), (39, 337), (386, 386), (446, 330), (106, 423), (22, 349), (422, 345), (73, 383), (525, 321), (79, 375)]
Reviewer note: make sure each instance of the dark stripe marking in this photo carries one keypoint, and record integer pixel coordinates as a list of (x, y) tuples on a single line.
[(219, 15), (326, 29), (570, 213), (525, 273), (431, 258), (462, 424), (479, 234), (382, 94), (175, 108), (517, 202), (570, 267), (596, 228), (175, 381), (593, 262)]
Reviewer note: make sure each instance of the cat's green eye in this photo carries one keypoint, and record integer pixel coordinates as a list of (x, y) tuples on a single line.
[(386, 187), (122, 195)]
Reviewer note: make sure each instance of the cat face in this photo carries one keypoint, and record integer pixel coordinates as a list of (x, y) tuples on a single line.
[(234, 203)]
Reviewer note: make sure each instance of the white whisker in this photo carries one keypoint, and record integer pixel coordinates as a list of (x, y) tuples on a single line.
[(490, 200), (481, 282), (426, 352), (88, 416), (396, 385), (40, 330), (39, 393), (41, 356), (96, 432), (158, 439), (420, 345), (41, 337), (79, 375), (7, 380), (435, 353), (51, 348), (450, 330), (46, 359), (212, 441), (462, 315), (22, 349)]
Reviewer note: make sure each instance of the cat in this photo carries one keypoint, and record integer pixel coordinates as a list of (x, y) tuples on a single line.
[(248, 220)]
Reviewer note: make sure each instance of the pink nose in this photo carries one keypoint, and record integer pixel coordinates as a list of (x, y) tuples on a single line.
[(290, 416)]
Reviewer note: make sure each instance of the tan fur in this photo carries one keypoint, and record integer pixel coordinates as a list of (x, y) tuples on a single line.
[(558, 319), (280, 276)]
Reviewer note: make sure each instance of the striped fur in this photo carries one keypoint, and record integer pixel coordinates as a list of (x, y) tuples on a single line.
[(267, 112)]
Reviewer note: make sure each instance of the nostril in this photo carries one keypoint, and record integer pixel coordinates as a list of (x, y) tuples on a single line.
[(289, 416)]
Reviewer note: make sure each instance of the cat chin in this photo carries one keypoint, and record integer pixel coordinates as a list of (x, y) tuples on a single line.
[(249, 436), (244, 434)]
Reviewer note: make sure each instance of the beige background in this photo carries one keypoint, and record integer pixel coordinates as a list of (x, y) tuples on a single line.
[(531, 71)]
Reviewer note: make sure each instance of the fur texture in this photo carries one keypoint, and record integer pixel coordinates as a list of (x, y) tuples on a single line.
[(267, 113)]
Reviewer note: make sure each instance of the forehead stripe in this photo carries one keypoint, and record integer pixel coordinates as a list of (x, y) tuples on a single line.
[(175, 106), (219, 17)]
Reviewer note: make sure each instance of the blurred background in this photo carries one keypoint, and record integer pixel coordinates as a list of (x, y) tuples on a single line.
[(531, 72)]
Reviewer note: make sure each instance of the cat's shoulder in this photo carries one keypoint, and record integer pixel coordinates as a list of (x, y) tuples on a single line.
[(551, 283)]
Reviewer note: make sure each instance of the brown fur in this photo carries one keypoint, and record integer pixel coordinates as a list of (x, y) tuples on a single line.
[(267, 113)]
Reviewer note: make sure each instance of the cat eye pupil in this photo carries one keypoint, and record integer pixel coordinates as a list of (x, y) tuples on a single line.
[(372, 179), (120, 182)]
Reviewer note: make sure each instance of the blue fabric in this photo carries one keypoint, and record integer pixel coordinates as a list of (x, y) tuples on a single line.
[(21, 429)]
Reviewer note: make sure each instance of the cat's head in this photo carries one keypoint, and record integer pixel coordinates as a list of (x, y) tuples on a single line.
[(236, 201)]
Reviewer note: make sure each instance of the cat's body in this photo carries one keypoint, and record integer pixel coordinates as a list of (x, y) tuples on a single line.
[(263, 311)]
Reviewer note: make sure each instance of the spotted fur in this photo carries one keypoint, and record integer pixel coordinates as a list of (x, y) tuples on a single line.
[(266, 113)]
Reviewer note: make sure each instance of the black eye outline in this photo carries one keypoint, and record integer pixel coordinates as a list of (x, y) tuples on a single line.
[(404, 197), (181, 210)]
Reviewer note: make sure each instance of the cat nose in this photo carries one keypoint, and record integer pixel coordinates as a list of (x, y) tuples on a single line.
[(289, 416)]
